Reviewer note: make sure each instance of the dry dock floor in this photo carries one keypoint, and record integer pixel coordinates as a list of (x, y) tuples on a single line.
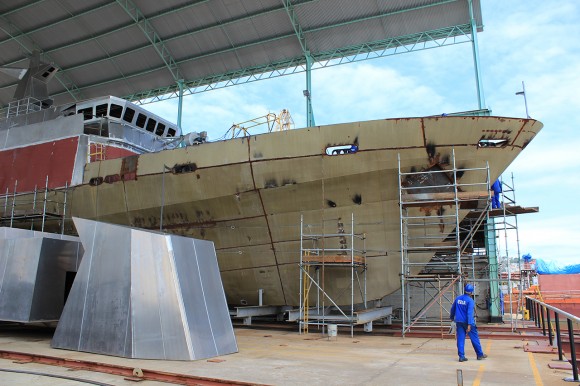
[(287, 358)]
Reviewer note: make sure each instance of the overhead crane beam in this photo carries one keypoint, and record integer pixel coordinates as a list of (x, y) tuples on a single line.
[(478, 82), (300, 35)]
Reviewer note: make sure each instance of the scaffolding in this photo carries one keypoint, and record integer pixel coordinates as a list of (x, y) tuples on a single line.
[(96, 152), (438, 250), (43, 209), (512, 272), (324, 256)]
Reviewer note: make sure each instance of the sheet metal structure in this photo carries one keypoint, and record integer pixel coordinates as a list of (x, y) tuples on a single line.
[(151, 48), (33, 274), (148, 295)]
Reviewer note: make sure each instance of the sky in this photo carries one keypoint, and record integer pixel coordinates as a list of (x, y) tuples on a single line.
[(533, 41)]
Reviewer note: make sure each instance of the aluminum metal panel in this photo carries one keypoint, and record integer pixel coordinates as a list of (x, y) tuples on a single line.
[(69, 330), (157, 326), (36, 132), (12, 233), (196, 305), (213, 289), (107, 300), (56, 258), (140, 294), (33, 274), (18, 281)]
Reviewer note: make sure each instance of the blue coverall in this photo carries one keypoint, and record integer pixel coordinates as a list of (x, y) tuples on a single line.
[(462, 312), (496, 187)]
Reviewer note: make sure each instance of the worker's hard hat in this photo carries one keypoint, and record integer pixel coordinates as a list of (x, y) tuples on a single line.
[(469, 288)]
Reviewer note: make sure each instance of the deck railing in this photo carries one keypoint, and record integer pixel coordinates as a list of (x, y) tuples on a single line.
[(540, 314)]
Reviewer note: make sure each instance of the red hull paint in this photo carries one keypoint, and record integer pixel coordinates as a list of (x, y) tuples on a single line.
[(561, 291), (31, 164), (559, 283)]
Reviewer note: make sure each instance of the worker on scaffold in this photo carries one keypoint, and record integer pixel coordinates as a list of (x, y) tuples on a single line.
[(463, 314), (497, 190)]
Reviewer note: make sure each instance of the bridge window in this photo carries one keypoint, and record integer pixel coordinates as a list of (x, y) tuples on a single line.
[(87, 113), (115, 111), (129, 114), (101, 110), (171, 132), (141, 118), (151, 124), (160, 129)]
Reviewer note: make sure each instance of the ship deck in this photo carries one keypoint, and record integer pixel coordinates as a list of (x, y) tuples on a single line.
[(282, 356)]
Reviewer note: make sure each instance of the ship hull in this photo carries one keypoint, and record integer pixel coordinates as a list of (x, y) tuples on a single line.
[(248, 195)]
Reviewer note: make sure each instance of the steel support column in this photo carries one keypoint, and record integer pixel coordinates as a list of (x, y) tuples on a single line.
[(308, 92), (478, 82), (302, 40), (180, 102)]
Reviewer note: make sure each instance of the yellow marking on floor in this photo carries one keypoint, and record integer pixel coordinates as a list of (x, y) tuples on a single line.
[(477, 380), (535, 370)]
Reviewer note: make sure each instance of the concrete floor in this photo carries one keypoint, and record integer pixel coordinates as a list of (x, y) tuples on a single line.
[(287, 358)]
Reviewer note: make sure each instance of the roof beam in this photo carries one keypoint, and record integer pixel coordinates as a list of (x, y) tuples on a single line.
[(387, 47), (109, 57), (297, 27), (222, 24), (145, 25), (170, 38), (104, 33), (29, 46), (475, 48), (234, 20), (55, 23), (17, 9)]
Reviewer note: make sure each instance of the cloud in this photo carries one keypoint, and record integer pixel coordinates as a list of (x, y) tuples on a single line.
[(366, 91), (551, 239), (534, 42)]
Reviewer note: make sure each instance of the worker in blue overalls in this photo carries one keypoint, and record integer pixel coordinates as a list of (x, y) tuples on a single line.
[(462, 313), (497, 190)]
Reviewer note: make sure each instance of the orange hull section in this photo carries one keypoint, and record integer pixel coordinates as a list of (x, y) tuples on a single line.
[(560, 291)]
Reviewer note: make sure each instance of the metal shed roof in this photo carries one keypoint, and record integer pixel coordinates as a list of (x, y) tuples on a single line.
[(141, 49)]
